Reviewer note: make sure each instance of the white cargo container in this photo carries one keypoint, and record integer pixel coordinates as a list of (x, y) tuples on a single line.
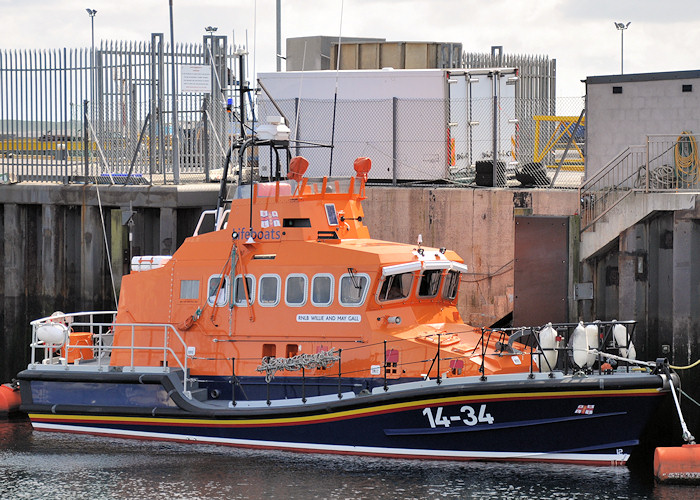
[(414, 124)]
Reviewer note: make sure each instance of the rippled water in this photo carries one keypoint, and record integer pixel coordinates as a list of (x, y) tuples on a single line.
[(57, 466)]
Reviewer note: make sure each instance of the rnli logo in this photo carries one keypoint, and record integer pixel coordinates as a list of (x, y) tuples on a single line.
[(585, 409), (269, 219)]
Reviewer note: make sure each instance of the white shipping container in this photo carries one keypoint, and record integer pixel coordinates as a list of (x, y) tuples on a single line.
[(428, 132)]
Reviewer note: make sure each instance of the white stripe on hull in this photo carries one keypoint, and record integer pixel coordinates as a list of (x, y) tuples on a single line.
[(599, 458)]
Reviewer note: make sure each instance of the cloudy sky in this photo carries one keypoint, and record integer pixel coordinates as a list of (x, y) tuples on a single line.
[(579, 34)]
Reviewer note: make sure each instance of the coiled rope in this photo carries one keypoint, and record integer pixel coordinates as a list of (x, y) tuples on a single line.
[(271, 365), (686, 157)]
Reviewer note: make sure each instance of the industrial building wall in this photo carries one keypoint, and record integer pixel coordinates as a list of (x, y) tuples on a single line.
[(622, 110)]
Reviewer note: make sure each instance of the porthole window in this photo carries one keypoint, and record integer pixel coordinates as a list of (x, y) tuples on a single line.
[(395, 287), (218, 291), (244, 289), (295, 290), (429, 283), (353, 289), (269, 290), (322, 290)]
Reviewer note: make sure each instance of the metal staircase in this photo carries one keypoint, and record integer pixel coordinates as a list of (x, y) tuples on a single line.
[(622, 193)]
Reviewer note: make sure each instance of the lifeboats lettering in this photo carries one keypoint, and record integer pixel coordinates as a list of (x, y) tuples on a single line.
[(267, 234), (468, 416), (328, 318)]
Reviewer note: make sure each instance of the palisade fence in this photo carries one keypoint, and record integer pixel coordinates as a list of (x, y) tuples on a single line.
[(121, 101), (51, 100)]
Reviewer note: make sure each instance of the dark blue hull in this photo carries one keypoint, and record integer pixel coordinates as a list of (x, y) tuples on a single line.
[(596, 419)]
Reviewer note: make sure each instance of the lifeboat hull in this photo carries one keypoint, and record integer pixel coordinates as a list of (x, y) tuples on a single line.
[(594, 420)]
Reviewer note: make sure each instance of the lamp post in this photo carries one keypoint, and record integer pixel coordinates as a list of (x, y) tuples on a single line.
[(211, 30), (621, 27), (176, 141), (91, 13)]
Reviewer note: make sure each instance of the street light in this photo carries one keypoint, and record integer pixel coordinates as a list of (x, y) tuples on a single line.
[(211, 30), (621, 27), (91, 13)]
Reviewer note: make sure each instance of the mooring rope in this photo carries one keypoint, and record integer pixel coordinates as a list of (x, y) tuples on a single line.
[(686, 367)]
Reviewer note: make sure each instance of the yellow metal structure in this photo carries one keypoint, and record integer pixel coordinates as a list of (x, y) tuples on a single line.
[(563, 127)]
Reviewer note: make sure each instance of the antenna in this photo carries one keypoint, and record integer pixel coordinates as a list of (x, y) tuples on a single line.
[(335, 97), (301, 80)]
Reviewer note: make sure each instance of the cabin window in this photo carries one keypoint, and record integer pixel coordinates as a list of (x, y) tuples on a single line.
[(269, 350), (395, 286), (243, 290), (269, 290), (322, 290), (218, 291), (449, 289), (189, 289), (292, 350), (295, 290), (429, 283), (353, 289)]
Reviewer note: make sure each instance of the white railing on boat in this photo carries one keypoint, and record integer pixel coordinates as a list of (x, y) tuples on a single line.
[(102, 335)]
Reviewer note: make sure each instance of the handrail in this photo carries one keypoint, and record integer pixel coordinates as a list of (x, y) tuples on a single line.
[(666, 163), (101, 331)]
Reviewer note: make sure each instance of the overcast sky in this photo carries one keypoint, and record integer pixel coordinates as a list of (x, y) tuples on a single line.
[(579, 34)]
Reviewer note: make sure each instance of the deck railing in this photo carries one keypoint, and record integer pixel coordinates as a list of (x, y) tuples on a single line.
[(101, 347), (523, 341)]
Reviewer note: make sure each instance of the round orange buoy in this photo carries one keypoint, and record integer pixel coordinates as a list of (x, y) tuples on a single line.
[(680, 464), (9, 399)]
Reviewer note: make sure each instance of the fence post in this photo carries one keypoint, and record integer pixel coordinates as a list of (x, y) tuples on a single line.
[(205, 119), (494, 124), (86, 138), (394, 149)]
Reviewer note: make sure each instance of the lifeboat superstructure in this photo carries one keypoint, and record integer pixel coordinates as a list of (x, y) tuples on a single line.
[(293, 270)]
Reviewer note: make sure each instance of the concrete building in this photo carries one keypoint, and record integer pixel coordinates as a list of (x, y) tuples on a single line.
[(622, 110)]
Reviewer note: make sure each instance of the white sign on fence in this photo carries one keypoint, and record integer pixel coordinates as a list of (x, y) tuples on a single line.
[(195, 78)]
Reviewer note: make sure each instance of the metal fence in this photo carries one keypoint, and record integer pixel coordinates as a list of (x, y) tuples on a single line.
[(435, 140), (66, 116)]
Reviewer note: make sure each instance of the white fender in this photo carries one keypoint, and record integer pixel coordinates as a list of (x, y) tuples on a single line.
[(579, 345), (52, 334), (622, 340), (548, 344), (592, 341)]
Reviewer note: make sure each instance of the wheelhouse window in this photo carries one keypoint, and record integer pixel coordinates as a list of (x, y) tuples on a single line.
[(353, 289), (451, 286), (295, 290), (218, 290), (244, 289), (322, 290), (395, 287), (269, 290), (429, 283)]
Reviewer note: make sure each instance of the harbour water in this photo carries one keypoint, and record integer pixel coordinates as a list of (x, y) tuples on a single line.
[(58, 466)]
